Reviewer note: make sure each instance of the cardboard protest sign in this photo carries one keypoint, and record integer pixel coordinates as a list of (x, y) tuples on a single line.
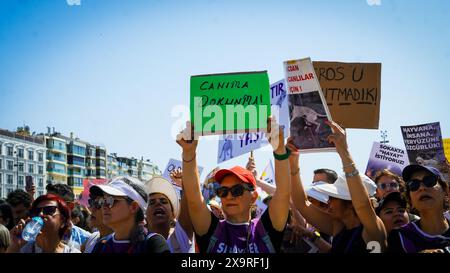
[(173, 165), (424, 145), (307, 107), (230, 103), (446, 142), (387, 157), (352, 92), (87, 184), (268, 175), (231, 146)]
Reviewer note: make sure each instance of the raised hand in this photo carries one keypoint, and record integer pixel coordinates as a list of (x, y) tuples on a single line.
[(295, 153), (275, 135), (338, 137), (187, 142), (251, 166), (177, 177)]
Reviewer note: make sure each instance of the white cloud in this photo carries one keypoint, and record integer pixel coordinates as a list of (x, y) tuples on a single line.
[(78, 2), (374, 2)]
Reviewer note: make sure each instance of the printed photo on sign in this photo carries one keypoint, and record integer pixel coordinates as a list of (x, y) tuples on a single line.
[(386, 157), (424, 145), (307, 117)]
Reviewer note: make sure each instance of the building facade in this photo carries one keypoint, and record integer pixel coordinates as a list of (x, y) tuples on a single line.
[(21, 156), (141, 169)]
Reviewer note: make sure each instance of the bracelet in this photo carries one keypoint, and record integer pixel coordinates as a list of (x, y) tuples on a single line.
[(297, 171), (283, 156), (187, 161), (352, 174)]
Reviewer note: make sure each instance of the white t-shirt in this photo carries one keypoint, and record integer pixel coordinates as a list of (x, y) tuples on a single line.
[(32, 247), (179, 242)]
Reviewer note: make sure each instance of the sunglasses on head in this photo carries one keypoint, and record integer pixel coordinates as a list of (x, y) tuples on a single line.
[(392, 185), (429, 182), (236, 190), (48, 210), (108, 201)]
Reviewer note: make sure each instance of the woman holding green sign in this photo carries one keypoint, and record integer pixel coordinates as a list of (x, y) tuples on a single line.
[(237, 233)]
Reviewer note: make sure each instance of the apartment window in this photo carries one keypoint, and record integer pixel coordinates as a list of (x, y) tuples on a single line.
[(30, 168), (41, 183), (9, 179), (21, 166), (20, 152), (41, 157), (1, 145), (1, 180), (40, 193), (20, 182), (9, 151), (31, 155), (10, 165), (40, 169), (1, 163), (8, 191)]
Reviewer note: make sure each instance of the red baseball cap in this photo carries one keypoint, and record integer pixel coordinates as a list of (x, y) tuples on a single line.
[(243, 174)]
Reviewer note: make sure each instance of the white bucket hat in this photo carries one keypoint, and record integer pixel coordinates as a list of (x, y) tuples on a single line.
[(313, 193), (160, 185), (339, 189)]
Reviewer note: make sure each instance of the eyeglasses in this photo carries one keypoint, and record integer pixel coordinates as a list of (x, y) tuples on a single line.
[(163, 201), (392, 185), (94, 203), (429, 181), (49, 210), (236, 190), (109, 201)]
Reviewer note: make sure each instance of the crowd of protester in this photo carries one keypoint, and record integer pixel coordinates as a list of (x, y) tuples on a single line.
[(351, 213)]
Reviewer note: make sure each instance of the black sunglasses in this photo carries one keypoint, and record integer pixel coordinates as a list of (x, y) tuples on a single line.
[(93, 203), (429, 181), (49, 210), (236, 190)]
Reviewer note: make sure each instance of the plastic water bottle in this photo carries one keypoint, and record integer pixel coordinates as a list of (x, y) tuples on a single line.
[(31, 230)]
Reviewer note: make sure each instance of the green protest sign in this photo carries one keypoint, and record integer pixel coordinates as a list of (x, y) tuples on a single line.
[(230, 103)]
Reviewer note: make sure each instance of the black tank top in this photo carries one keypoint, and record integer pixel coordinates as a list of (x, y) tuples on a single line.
[(349, 241)]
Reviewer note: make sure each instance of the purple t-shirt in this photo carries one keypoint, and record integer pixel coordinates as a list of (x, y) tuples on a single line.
[(411, 239), (258, 236)]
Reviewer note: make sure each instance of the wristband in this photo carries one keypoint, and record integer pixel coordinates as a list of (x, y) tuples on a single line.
[(283, 156)]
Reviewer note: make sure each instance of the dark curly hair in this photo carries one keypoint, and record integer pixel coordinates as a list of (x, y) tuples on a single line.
[(62, 190), (18, 197)]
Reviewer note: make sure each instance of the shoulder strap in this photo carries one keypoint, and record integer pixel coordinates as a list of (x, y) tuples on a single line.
[(261, 231), (212, 242)]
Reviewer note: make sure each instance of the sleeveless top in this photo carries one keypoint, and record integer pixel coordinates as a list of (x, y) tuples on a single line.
[(349, 241)]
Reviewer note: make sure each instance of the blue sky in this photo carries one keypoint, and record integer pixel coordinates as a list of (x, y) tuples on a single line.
[(112, 71)]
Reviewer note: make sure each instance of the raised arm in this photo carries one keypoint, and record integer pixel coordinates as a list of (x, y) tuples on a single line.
[(313, 215), (279, 205), (183, 218), (373, 226), (198, 211)]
